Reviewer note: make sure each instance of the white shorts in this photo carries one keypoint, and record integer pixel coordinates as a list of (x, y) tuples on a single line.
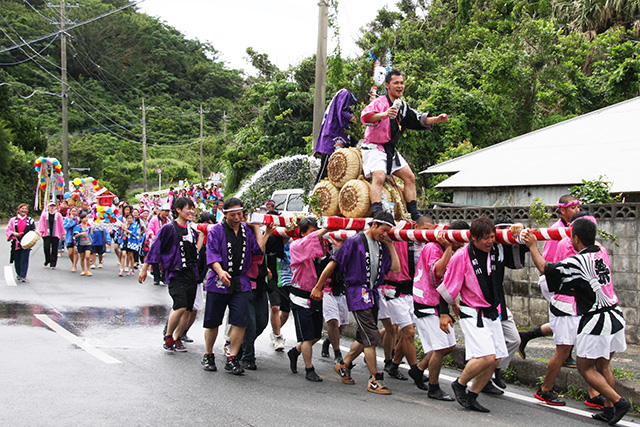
[(383, 308), (565, 329), (375, 160), (480, 342), (198, 303), (597, 346), (335, 308), (401, 311), (432, 337)]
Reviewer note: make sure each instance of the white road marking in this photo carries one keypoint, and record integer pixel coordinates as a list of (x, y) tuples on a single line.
[(528, 399), (8, 276), (75, 340)]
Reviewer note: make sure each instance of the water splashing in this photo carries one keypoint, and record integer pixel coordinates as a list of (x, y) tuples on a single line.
[(284, 171)]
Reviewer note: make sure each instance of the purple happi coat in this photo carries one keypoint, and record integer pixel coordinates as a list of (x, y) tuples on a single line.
[(337, 118), (217, 252), (165, 250), (352, 261)]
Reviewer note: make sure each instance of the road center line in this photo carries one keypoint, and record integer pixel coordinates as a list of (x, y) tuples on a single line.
[(75, 340), (528, 399), (8, 276)]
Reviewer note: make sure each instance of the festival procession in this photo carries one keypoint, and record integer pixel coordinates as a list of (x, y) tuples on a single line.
[(356, 280), (370, 257)]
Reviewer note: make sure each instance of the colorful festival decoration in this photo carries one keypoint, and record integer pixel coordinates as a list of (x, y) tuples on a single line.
[(84, 189), (106, 214), (50, 180)]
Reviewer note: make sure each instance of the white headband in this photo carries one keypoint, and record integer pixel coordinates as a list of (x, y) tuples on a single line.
[(384, 222), (239, 208)]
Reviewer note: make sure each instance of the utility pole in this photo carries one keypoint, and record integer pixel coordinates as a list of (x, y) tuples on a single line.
[(224, 125), (64, 91), (321, 71), (201, 144), (144, 147)]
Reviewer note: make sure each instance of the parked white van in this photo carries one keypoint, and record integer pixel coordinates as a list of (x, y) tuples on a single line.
[(289, 201)]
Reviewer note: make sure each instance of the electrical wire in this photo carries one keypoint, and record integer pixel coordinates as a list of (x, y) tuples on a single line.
[(32, 93), (17, 46), (29, 58), (28, 44), (49, 20)]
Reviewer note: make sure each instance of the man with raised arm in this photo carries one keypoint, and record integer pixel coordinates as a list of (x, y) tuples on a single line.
[(386, 118)]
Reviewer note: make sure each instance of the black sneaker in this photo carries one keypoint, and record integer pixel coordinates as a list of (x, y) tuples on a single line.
[(325, 348), (497, 379), (440, 395), (475, 406), (603, 416), (388, 365), (621, 407), (312, 376), (293, 359), (233, 366), (460, 392), (595, 402), (395, 373), (492, 389), (418, 377), (549, 397), (249, 365), (209, 362), (570, 363)]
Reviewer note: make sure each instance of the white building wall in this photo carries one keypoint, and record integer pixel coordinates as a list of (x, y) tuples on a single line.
[(505, 196)]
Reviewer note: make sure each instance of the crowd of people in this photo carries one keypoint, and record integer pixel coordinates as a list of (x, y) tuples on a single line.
[(408, 287), (74, 226)]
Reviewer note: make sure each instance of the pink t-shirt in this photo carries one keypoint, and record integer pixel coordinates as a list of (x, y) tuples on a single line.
[(380, 132), (303, 252), (425, 282)]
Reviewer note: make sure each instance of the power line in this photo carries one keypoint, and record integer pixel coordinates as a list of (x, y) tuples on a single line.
[(32, 93), (70, 27), (49, 20), (29, 58)]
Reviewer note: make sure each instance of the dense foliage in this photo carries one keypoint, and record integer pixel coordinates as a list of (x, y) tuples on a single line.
[(499, 68)]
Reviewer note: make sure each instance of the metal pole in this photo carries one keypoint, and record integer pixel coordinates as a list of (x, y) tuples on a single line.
[(65, 112), (144, 147), (321, 71), (159, 182)]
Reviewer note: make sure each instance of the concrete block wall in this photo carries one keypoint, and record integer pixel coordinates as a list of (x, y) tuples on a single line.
[(521, 286)]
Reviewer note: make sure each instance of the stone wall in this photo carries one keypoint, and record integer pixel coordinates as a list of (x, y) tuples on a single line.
[(521, 286)]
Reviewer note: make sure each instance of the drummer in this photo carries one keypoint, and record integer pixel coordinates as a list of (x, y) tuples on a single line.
[(18, 226)]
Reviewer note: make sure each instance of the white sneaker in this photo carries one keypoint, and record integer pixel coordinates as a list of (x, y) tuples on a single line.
[(120, 273), (280, 343), (93, 266), (273, 339), (100, 265)]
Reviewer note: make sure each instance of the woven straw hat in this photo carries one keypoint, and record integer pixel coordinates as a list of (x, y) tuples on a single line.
[(344, 165), (328, 195)]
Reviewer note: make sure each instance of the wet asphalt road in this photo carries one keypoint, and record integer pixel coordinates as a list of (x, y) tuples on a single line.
[(109, 368)]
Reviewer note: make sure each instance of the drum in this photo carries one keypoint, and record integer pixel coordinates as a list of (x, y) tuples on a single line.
[(29, 240)]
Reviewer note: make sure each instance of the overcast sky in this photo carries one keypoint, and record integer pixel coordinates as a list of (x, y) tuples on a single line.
[(286, 30)]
